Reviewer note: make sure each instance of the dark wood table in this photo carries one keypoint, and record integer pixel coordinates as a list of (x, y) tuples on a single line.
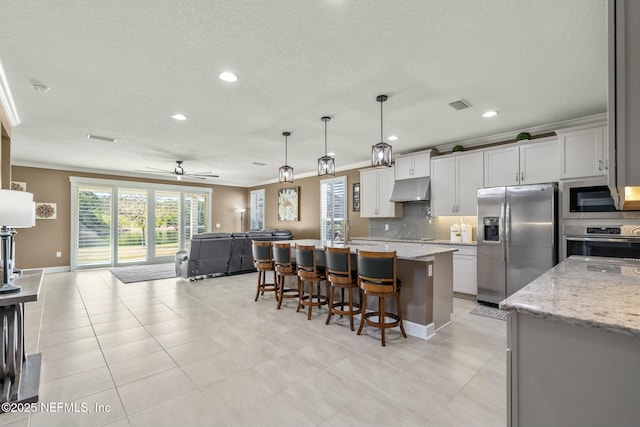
[(20, 373)]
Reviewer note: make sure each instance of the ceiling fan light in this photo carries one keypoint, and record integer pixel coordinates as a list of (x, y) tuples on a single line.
[(381, 152)]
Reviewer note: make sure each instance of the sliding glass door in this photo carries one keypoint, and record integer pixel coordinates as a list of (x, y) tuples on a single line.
[(133, 232), (120, 223)]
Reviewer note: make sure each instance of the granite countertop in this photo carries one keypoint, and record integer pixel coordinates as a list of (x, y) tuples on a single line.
[(424, 240), (408, 251), (594, 292)]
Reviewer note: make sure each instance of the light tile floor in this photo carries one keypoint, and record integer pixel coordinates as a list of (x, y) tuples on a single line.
[(174, 352)]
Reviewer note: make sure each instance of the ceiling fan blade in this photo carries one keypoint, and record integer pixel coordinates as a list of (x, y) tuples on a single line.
[(203, 175), (160, 171)]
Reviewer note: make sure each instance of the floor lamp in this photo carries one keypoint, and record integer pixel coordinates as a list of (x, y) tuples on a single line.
[(242, 211), (16, 210)]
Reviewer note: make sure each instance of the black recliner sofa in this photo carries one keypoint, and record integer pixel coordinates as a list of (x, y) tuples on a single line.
[(223, 253)]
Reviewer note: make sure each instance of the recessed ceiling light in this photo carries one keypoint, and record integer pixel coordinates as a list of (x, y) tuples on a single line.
[(392, 138), (331, 153), (179, 116), (490, 114), (228, 76)]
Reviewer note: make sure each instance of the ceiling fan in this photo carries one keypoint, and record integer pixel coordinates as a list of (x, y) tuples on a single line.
[(179, 172)]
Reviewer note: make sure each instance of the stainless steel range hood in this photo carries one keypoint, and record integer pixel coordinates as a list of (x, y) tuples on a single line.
[(410, 190)]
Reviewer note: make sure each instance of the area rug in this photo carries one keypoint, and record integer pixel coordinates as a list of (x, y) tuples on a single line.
[(485, 311), (142, 273)]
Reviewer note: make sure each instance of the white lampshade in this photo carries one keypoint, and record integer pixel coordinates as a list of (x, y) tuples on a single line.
[(17, 208)]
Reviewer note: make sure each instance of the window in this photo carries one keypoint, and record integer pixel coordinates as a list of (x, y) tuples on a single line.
[(120, 222), (333, 212), (257, 209)]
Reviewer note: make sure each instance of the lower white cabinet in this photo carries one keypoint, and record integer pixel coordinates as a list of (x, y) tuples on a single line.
[(465, 274)]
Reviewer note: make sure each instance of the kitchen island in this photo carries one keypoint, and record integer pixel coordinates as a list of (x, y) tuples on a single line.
[(573, 355), (426, 272)]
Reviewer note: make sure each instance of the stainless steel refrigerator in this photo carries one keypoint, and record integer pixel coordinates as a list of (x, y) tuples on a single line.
[(517, 238)]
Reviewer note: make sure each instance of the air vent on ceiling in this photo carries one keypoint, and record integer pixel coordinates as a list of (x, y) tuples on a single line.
[(460, 104), (101, 138), (258, 164)]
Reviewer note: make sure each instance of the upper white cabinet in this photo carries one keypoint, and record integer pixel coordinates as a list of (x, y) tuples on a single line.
[(521, 164), (414, 165), (375, 188), (583, 152), (455, 180)]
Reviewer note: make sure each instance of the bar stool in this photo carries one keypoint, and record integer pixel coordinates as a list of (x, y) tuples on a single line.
[(263, 262), (308, 273), (285, 267), (339, 277), (377, 278)]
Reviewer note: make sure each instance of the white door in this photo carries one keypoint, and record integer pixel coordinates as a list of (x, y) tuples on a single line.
[(581, 153), (404, 167), (469, 170), (386, 177), (421, 165), (369, 193), (443, 186), (538, 162)]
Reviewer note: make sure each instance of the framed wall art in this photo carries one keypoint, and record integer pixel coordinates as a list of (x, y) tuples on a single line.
[(288, 207), (46, 210), (356, 197), (18, 186)]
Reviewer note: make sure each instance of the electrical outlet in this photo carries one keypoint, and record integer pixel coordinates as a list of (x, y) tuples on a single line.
[(217, 225), (386, 227), (58, 254)]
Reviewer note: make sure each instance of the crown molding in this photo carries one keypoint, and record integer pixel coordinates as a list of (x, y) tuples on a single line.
[(596, 119), (6, 99)]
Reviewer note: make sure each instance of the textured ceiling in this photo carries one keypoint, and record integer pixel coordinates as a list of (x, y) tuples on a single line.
[(121, 68)]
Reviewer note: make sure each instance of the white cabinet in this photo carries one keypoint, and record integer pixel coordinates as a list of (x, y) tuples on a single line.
[(465, 270), (583, 152), (414, 165), (375, 188), (521, 164), (455, 180)]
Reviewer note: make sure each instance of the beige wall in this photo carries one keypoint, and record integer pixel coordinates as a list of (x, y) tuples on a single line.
[(36, 247), (308, 226)]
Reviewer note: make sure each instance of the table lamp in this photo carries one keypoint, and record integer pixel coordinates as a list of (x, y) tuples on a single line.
[(242, 211), (16, 210)]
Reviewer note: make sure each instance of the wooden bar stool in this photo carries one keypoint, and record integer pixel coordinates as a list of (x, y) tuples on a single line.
[(263, 262), (339, 277), (377, 278), (308, 273), (285, 267)]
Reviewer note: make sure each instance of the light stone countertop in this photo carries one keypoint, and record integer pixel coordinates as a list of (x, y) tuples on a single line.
[(594, 292), (408, 251), (429, 241)]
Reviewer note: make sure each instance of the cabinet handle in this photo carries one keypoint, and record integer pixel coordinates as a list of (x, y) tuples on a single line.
[(606, 165), (517, 177), (599, 165), (521, 176)]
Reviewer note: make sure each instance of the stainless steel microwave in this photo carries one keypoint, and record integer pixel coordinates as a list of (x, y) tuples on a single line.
[(590, 198)]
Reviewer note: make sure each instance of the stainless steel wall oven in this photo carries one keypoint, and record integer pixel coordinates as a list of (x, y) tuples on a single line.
[(606, 240)]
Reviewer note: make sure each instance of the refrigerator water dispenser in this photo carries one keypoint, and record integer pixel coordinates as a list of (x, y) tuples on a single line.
[(491, 228)]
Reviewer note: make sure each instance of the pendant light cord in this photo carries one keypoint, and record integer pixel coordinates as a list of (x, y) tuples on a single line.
[(325, 138), (381, 133), (286, 145)]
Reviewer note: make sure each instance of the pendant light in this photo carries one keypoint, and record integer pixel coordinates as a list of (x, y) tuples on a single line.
[(381, 152), (286, 171), (326, 164)]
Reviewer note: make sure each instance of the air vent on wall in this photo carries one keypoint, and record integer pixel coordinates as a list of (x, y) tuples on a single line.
[(101, 138), (460, 104)]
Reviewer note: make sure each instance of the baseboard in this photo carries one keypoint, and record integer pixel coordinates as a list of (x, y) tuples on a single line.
[(419, 331), (60, 269)]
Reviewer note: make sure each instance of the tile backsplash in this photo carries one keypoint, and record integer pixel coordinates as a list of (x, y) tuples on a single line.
[(415, 224)]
